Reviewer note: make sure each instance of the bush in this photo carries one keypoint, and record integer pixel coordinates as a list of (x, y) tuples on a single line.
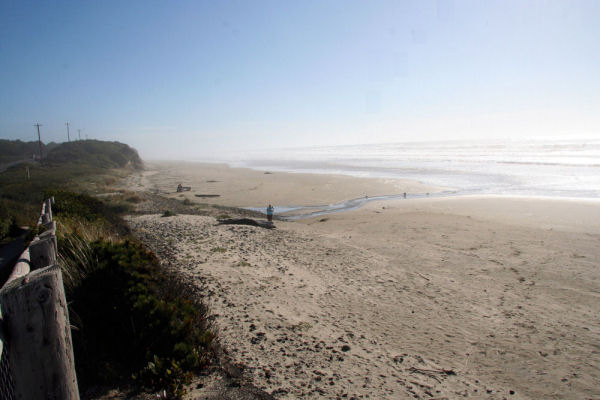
[(168, 213), (95, 153), (136, 320), (82, 206), (14, 214), (76, 204), (72, 167)]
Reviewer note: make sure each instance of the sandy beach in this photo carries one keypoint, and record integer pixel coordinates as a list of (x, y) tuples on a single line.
[(482, 297)]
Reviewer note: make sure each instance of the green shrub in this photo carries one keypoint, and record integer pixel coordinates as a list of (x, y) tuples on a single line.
[(136, 320), (91, 209), (14, 214), (168, 213), (13, 150), (95, 153), (76, 204)]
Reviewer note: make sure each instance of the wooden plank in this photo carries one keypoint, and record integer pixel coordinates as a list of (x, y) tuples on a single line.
[(36, 318)]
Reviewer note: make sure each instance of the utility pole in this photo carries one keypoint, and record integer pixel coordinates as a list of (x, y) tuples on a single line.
[(39, 140), (68, 133), (79, 133)]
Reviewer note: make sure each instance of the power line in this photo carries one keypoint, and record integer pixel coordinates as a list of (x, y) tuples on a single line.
[(68, 132)]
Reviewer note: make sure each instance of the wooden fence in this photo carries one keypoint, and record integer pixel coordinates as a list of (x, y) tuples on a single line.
[(35, 341)]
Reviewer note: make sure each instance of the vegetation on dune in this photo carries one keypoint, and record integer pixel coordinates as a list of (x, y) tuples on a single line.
[(80, 206), (134, 321), (13, 215), (82, 166), (20, 198), (95, 153), (14, 150)]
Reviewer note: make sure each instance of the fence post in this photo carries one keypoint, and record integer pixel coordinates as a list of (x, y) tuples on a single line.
[(43, 217), (49, 209), (37, 324), (43, 249)]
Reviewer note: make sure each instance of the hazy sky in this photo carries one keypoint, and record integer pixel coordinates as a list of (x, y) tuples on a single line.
[(186, 78)]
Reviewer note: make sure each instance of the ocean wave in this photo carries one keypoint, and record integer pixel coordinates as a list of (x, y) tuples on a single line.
[(556, 168)]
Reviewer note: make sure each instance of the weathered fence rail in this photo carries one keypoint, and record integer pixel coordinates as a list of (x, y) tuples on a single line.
[(35, 336)]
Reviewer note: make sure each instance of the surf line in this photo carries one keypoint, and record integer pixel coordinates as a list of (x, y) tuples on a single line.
[(294, 213)]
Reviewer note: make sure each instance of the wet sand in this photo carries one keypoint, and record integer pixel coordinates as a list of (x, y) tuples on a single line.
[(484, 297)]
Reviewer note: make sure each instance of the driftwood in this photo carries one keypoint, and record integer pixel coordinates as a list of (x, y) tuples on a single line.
[(432, 371), (247, 221), (207, 195), (422, 276)]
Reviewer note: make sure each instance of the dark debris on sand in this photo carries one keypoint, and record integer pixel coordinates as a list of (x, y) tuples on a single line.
[(247, 221), (153, 203)]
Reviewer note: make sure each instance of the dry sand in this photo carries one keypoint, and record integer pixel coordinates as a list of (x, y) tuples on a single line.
[(241, 187), (483, 297)]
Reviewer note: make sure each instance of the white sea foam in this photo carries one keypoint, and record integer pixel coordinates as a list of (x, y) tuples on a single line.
[(565, 168)]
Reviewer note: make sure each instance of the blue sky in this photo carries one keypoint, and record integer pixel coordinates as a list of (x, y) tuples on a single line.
[(187, 78)]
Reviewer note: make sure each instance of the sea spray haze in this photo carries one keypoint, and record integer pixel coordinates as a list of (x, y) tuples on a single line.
[(555, 168)]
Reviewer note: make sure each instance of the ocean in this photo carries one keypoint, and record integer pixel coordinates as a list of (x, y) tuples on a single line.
[(550, 168)]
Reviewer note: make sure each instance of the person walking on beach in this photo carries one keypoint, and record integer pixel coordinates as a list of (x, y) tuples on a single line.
[(270, 211)]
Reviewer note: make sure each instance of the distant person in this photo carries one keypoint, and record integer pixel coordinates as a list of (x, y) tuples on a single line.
[(404, 194), (270, 211)]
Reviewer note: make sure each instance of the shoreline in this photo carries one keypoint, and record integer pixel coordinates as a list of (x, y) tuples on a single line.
[(245, 187), (500, 172), (326, 203), (379, 301), (295, 213), (434, 189)]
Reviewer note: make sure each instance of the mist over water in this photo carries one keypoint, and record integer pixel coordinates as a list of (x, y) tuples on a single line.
[(565, 168)]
